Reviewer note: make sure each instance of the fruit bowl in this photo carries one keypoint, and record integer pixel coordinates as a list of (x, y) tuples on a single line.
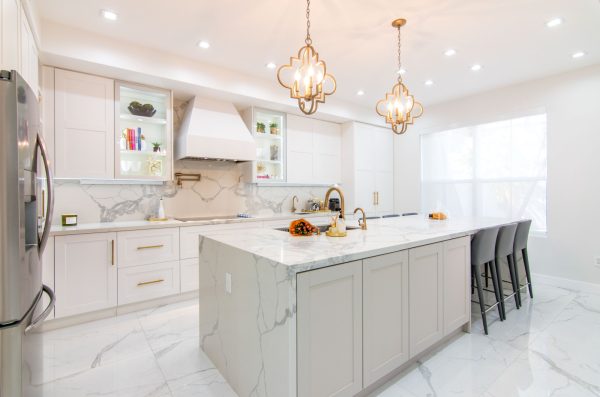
[(137, 109)]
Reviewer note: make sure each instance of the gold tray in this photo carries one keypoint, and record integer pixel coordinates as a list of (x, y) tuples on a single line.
[(152, 219), (330, 234)]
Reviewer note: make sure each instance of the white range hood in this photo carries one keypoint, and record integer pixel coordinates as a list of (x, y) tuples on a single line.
[(213, 130)]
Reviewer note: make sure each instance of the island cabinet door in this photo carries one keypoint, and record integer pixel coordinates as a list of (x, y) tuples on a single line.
[(425, 275), (457, 279), (385, 315), (329, 326)]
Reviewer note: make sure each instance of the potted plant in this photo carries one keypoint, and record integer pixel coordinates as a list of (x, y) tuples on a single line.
[(274, 128), (156, 147), (260, 128)]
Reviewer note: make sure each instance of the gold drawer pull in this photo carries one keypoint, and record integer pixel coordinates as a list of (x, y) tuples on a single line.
[(160, 280), (145, 247)]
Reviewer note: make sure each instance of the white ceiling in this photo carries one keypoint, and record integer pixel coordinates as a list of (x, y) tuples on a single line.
[(508, 37)]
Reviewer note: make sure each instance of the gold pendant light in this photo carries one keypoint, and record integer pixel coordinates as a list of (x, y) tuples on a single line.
[(309, 81), (399, 107)]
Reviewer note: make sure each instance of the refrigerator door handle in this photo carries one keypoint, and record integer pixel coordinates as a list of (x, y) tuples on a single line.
[(38, 320), (50, 200)]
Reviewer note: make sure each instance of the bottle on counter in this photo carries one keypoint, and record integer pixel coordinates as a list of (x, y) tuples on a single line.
[(161, 210)]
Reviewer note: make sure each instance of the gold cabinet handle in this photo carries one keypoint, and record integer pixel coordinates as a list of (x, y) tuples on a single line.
[(112, 251), (377, 195), (374, 198), (146, 247), (141, 284)]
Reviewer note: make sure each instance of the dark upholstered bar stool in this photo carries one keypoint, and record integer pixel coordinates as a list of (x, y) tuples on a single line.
[(521, 245), (483, 252), (504, 249)]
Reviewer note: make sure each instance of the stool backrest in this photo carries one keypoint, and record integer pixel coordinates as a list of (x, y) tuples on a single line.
[(522, 235), (483, 246), (506, 240)]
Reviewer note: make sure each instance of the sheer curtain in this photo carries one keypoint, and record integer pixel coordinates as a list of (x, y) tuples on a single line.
[(492, 170)]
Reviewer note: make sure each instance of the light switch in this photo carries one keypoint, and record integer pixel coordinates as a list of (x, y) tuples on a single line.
[(228, 283)]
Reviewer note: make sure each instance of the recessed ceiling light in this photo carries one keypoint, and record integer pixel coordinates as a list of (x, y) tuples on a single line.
[(578, 54), (401, 71), (476, 67), (450, 52), (360, 93), (271, 65), (554, 22), (204, 44), (110, 15), (429, 83)]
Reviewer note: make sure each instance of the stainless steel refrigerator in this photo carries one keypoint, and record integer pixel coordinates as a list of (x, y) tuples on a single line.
[(25, 218)]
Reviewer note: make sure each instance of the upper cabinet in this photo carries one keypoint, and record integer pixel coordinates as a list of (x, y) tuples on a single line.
[(314, 151), (368, 168), (144, 137), (84, 125)]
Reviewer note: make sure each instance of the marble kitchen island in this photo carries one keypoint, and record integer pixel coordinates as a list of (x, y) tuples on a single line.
[(323, 316)]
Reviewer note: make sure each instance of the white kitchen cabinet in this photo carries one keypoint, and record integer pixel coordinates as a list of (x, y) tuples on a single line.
[(84, 125), (11, 20), (141, 247), (47, 264), (139, 283), (29, 54), (368, 168), (457, 287), (329, 318), (385, 315), (85, 273), (314, 151), (425, 275)]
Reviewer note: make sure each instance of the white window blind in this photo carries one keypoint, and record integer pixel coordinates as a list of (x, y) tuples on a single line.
[(491, 170)]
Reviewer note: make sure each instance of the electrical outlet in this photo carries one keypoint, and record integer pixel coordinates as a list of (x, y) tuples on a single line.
[(228, 283)]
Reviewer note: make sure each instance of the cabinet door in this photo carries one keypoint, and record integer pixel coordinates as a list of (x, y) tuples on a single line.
[(330, 331), (140, 283), (384, 185), (84, 125), (365, 192), (457, 287), (300, 156), (327, 148), (24, 38), (385, 315), (425, 296), (85, 273), (10, 35)]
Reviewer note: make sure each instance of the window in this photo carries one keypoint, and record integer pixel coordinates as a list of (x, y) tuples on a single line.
[(490, 170)]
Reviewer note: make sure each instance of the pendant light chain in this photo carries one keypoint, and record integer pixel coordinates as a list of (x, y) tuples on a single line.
[(399, 56), (308, 40)]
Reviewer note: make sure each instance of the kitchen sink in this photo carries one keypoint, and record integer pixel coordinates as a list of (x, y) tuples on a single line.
[(322, 228)]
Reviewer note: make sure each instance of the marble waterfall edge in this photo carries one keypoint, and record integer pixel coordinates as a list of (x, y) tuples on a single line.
[(254, 352)]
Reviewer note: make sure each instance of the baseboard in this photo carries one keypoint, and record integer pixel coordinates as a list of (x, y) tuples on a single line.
[(574, 285)]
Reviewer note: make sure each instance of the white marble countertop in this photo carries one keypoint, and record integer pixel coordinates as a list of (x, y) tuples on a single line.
[(101, 227), (383, 236)]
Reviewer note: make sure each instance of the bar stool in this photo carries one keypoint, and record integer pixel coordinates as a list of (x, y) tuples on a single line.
[(521, 245), (504, 249), (483, 252)]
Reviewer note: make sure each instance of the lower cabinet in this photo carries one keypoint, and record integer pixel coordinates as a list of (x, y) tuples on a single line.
[(85, 273), (457, 283), (190, 274), (329, 327), (139, 283), (385, 315), (425, 275)]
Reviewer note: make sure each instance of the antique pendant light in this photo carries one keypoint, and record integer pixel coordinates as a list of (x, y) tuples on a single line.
[(399, 107), (306, 76)]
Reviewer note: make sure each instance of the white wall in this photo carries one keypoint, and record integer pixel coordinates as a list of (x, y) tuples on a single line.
[(572, 104)]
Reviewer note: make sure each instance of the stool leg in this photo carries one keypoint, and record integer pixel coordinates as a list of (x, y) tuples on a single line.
[(511, 270), (500, 287), (481, 301), (486, 275), (511, 258), (527, 272), (496, 290)]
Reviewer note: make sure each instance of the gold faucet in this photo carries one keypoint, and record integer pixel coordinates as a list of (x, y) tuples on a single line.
[(362, 222), (294, 200), (337, 189)]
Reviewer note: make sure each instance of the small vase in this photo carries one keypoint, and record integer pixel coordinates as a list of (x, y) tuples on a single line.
[(274, 130)]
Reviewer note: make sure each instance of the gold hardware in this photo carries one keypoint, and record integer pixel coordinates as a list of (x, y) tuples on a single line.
[(374, 198), (398, 105), (145, 247), (362, 222), (141, 284), (337, 189), (308, 72), (112, 250), (181, 177), (294, 200)]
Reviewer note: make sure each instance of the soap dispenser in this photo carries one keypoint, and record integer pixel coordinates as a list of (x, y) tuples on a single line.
[(161, 210)]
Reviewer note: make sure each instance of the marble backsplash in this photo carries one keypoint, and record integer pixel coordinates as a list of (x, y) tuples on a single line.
[(221, 191)]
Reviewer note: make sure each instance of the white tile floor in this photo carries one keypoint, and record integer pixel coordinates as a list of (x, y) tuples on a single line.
[(550, 347)]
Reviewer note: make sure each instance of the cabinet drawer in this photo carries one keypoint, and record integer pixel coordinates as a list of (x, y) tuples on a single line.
[(139, 283), (141, 247), (190, 242), (190, 274)]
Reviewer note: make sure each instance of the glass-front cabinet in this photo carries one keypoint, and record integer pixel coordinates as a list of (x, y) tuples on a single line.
[(269, 131), (144, 141)]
